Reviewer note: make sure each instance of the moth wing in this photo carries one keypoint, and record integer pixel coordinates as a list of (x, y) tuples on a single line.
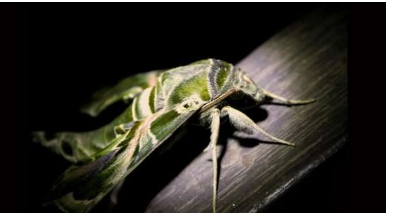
[(80, 188), (81, 146), (125, 89)]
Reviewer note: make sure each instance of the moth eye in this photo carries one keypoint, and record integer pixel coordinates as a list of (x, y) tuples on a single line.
[(186, 105)]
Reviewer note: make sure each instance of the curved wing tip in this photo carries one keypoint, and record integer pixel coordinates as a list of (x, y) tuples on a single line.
[(89, 112)]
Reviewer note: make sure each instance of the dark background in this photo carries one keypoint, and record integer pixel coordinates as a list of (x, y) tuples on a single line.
[(68, 51)]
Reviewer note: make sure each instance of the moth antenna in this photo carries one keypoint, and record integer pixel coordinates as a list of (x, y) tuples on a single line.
[(287, 101)]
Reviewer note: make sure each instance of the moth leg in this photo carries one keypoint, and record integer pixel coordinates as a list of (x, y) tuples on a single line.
[(243, 123), (215, 128), (287, 101)]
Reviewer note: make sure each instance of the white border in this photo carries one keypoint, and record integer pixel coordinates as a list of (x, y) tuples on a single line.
[(177, 1), (391, 162), (390, 108), (198, 217)]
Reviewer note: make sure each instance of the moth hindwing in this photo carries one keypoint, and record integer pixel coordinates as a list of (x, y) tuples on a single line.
[(160, 103)]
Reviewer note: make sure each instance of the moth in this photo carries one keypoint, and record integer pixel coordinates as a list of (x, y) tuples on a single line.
[(160, 103)]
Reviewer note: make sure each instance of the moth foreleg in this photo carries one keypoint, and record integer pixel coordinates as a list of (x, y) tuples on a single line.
[(215, 128), (243, 123), (287, 101)]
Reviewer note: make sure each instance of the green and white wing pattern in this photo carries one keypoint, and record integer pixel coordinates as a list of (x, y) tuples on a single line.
[(126, 90), (110, 153), (81, 188), (77, 147)]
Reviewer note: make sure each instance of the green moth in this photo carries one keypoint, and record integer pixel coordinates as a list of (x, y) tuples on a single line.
[(160, 103)]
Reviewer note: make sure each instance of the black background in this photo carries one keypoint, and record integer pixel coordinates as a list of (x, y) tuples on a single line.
[(67, 51)]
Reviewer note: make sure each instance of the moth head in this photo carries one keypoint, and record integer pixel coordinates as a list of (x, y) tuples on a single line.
[(247, 89)]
